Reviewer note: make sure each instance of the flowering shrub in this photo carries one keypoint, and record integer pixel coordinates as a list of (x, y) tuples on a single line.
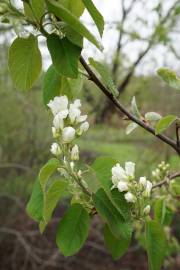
[(127, 204)]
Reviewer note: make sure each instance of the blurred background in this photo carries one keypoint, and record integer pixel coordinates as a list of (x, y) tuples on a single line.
[(140, 37)]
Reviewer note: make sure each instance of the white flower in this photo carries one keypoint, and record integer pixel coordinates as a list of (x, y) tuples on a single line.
[(121, 174), (81, 118), (58, 104), (147, 210), (74, 113), (122, 186), (130, 197), (118, 174), (148, 188), (77, 103), (130, 168), (58, 121), (143, 181), (68, 134), (83, 128), (55, 149), (75, 153)]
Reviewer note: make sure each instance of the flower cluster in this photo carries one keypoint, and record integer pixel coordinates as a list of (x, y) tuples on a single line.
[(161, 171), (68, 124), (135, 192)]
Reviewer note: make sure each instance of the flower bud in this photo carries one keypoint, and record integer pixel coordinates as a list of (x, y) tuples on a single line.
[(148, 189), (58, 121), (55, 133), (147, 210), (130, 197), (72, 165), (68, 134), (122, 186), (143, 181), (55, 149), (79, 173), (83, 128), (75, 153)]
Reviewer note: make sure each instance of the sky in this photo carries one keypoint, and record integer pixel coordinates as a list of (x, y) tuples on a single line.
[(111, 10)]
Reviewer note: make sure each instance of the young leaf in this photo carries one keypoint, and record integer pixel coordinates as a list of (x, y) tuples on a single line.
[(102, 167), (61, 12), (54, 193), (160, 210), (75, 7), (119, 227), (116, 246), (47, 170), (34, 206), (152, 116), (65, 55), (105, 76), (169, 77), (134, 108), (25, 62), (95, 14), (164, 123), (73, 230), (132, 126), (155, 244), (51, 84)]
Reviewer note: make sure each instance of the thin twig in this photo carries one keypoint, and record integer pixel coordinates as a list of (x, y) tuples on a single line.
[(122, 109), (166, 180)]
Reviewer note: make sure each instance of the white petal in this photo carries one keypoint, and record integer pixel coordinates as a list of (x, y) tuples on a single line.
[(130, 197), (122, 186), (81, 118), (130, 168), (68, 134)]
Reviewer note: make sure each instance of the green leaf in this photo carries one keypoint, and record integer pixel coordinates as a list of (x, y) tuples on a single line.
[(55, 85), (169, 77), (54, 193), (131, 127), (25, 62), (62, 13), (73, 230), (73, 36), (152, 116), (102, 167), (134, 108), (38, 8), (47, 170), (75, 7), (35, 205), (121, 204), (118, 226), (164, 123), (116, 246), (51, 84), (105, 76), (65, 55), (95, 14), (155, 244), (71, 87), (160, 210)]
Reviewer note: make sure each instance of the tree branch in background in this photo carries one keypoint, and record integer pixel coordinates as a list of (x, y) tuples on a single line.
[(121, 108), (167, 179), (130, 74)]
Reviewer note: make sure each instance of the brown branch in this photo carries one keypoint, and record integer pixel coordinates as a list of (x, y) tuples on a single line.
[(166, 180), (123, 110), (177, 135)]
